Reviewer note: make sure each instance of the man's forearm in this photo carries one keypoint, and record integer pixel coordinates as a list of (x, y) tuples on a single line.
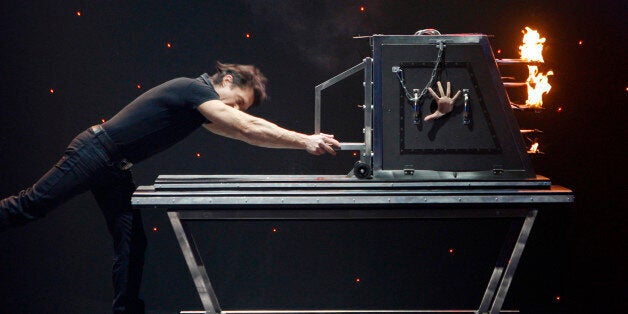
[(260, 132)]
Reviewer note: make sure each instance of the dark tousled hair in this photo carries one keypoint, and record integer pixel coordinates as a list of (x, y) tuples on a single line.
[(243, 76)]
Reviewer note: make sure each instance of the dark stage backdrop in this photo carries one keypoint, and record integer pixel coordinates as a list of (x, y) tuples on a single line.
[(68, 64)]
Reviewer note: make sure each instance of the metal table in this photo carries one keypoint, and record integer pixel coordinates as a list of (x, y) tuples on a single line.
[(311, 197)]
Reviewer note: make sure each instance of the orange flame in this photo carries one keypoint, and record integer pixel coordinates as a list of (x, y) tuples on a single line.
[(534, 148), (532, 48), (537, 83)]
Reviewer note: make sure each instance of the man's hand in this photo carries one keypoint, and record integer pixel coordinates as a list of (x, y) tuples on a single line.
[(445, 102), (318, 144)]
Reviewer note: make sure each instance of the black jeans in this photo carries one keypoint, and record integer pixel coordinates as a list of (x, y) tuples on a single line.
[(88, 165)]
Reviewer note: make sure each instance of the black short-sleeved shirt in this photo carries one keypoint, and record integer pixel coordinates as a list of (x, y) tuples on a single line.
[(159, 118)]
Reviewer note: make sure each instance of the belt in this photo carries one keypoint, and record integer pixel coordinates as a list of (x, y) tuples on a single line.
[(102, 136)]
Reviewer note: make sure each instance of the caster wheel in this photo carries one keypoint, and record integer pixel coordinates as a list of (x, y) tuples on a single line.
[(361, 170)]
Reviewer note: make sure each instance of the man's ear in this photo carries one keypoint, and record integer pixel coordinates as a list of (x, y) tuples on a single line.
[(228, 78)]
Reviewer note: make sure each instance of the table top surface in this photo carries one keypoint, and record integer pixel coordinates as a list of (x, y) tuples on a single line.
[(320, 190)]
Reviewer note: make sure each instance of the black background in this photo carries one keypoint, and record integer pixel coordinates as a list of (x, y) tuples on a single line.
[(94, 62)]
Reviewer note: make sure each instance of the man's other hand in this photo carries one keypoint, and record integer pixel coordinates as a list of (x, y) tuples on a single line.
[(318, 144), (445, 102)]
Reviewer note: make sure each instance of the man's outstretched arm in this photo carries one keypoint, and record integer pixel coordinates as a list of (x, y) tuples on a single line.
[(233, 123)]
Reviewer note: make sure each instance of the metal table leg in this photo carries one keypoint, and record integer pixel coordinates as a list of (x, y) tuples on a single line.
[(513, 262), (195, 264), (510, 254), (492, 300)]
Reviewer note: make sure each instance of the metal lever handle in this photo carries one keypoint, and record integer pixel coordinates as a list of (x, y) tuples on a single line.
[(466, 118), (417, 107)]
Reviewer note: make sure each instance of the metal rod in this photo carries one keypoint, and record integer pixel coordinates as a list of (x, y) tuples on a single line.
[(319, 88), (367, 153), (515, 61), (525, 107), (515, 84), (352, 146)]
